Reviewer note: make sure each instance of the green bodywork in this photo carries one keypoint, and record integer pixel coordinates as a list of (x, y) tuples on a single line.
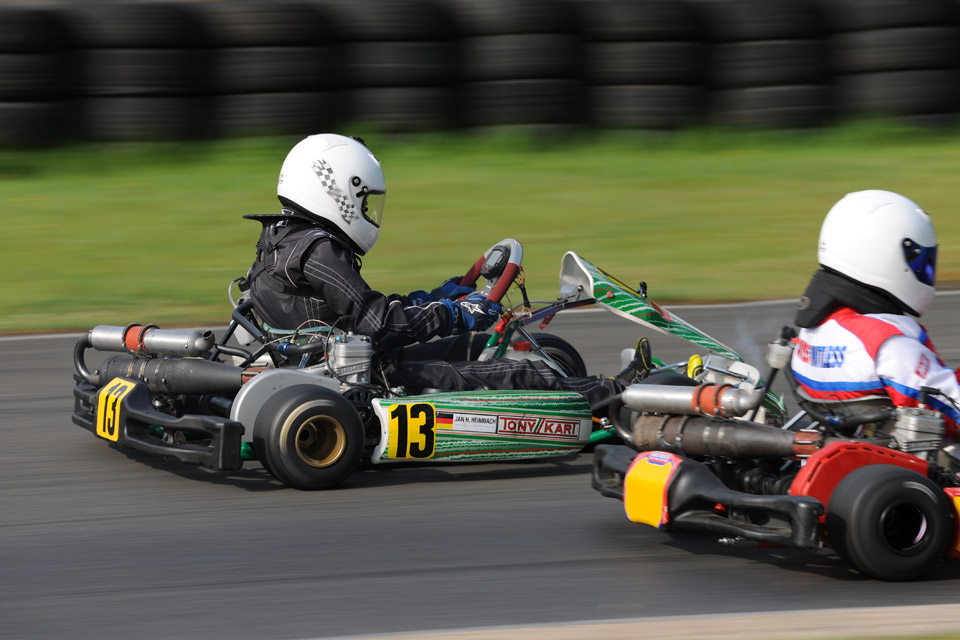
[(483, 425), (579, 279)]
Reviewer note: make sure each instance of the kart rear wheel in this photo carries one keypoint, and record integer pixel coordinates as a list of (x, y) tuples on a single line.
[(308, 437), (563, 353), (889, 522)]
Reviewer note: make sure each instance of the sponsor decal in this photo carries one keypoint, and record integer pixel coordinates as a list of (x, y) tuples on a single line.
[(560, 428), (541, 427), (660, 457), (467, 422), (821, 356), (444, 420), (923, 367)]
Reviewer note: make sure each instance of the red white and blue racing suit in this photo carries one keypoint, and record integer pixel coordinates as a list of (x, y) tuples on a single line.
[(852, 356)]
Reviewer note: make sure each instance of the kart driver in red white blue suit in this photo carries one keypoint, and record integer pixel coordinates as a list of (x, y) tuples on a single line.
[(859, 334), (307, 271)]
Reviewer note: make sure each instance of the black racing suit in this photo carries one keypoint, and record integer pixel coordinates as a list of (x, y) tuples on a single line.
[(304, 272)]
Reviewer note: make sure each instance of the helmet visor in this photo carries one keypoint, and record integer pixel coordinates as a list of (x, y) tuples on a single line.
[(921, 260), (372, 206)]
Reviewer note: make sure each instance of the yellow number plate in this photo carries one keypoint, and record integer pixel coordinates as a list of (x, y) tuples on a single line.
[(108, 408), (413, 430)]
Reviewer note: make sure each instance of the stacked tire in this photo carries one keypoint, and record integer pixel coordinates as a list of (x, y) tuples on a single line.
[(521, 63), (144, 71), (769, 65), (400, 63), (276, 67), (645, 63), (897, 60), (36, 76)]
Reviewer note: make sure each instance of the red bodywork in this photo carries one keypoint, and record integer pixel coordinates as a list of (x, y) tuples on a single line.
[(826, 468)]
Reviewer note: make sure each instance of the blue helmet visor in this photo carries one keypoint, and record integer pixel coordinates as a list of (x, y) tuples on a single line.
[(921, 260)]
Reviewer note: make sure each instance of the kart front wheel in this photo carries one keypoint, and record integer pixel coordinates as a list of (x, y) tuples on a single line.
[(888, 522), (308, 437), (563, 353)]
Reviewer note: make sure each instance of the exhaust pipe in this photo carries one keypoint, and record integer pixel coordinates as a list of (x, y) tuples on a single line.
[(151, 340), (734, 440), (710, 400), (172, 375)]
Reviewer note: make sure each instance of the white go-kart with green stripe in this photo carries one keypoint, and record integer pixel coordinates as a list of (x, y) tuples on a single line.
[(309, 405)]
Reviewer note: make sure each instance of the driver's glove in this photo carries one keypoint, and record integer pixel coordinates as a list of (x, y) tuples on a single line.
[(474, 313), (449, 290)]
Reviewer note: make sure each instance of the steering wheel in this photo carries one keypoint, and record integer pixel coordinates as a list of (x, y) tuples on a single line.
[(499, 266)]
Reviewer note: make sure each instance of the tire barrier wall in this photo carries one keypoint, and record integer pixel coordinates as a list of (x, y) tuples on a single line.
[(768, 63), (169, 69), (896, 59), (645, 63), (144, 69), (37, 72)]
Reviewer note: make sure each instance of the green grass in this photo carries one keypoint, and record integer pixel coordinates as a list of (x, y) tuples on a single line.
[(152, 232)]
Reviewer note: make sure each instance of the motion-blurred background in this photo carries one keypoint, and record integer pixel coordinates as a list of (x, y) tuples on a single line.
[(692, 144), (147, 70)]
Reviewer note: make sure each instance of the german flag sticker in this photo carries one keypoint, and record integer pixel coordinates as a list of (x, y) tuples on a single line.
[(444, 420)]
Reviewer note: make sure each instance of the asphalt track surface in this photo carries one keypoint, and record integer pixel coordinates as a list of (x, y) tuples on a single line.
[(98, 543)]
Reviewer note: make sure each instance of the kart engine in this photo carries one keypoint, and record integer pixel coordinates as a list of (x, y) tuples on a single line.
[(918, 431), (349, 358)]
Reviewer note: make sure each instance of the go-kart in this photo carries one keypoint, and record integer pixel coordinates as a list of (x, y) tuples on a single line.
[(310, 404), (876, 483)]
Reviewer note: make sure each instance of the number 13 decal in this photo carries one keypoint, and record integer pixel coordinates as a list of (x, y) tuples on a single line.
[(413, 430)]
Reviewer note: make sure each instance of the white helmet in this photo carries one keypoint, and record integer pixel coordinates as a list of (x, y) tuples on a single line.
[(885, 241), (336, 178)]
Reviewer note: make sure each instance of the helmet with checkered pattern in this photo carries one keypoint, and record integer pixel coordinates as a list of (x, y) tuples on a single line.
[(885, 241), (336, 179)]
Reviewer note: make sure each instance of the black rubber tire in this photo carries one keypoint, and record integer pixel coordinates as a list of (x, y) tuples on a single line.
[(129, 118), (274, 69), (647, 106), (768, 63), (498, 17), (245, 23), (400, 64), (259, 114), (35, 124), (640, 20), (510, 102), (746, 20), (26, 29), (309, 437), (862, 15), (520, 56), (392, 20), (403, 109), (563, 353), (896, 49), (146, 25), (889, 522), (790, 106), (35, 76), (899, 93), (145, 72), (646, 62)]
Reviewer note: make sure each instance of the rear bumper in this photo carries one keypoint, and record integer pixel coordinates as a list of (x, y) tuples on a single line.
[(694, 499), (137, 422)]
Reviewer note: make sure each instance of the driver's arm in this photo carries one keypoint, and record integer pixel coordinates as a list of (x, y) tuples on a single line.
[(390, 320), (905, 365)]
